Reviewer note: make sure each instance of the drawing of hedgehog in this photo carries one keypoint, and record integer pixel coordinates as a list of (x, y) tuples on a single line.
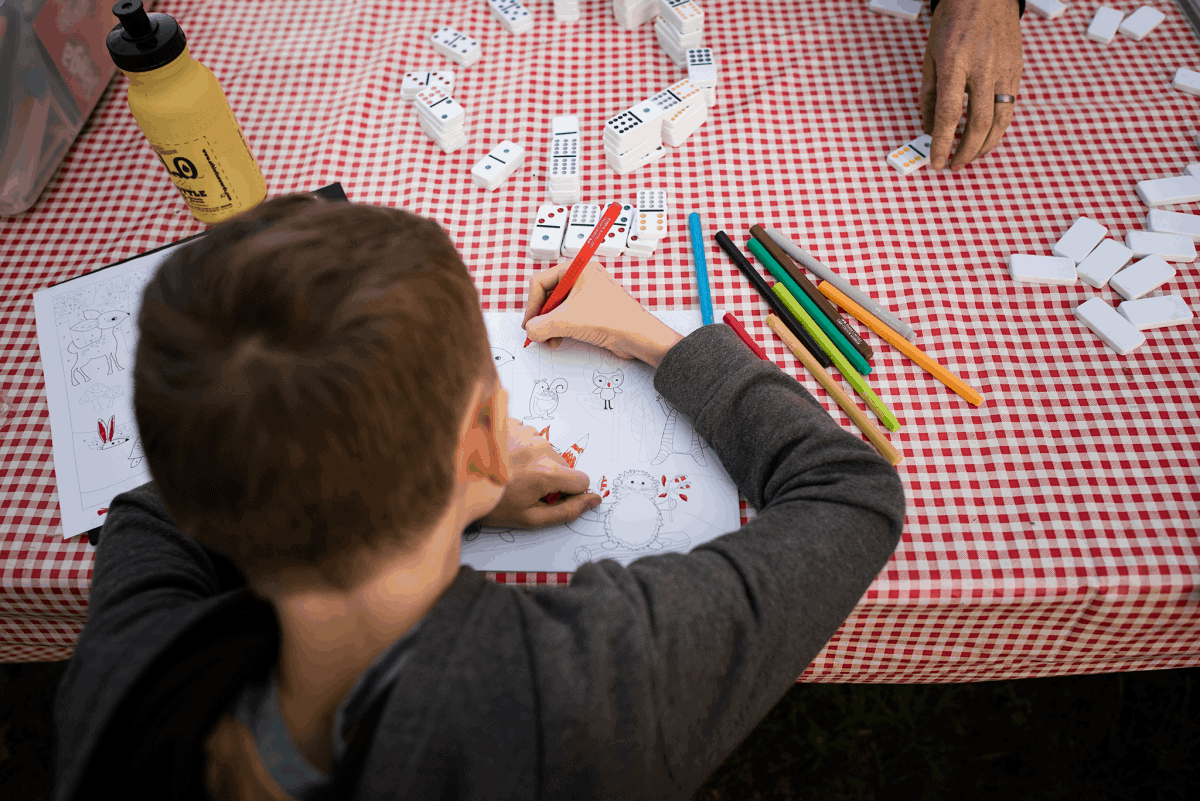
[(634, 518)]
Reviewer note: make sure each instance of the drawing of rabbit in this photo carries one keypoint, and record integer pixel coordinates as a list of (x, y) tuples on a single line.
[(608, 385), (108, 439), (501, 357), (544, 398)]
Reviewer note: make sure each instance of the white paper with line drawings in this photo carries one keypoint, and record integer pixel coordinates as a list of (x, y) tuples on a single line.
[(87, 339), (664, 489)]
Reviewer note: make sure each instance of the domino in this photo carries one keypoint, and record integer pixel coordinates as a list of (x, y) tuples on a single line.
[(907, 10), (566, 10), (1158, 312), (1042, 269), (1103, 263), (702, 68), (1103, 321), (414, 82), (1079, 240), (511, 15), (1137, 26), (1104, 25), (549, 228), (683, 123), (613, 244), (1047, 9), (682, 15), (564, 159), (624, 168), (1173, 222), (1141, 277), (1172, 247), (456, 46), (439, 110), (497, 166), (634, 245), (1169, 191), (650, 223), (630, 128), (676, 46), (1187, 81), (448, 143), (632, 14), (1192, 170), (579, 226), (911, 157)]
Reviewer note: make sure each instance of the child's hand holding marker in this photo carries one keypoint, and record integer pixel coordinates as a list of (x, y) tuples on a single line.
[(538, 471)]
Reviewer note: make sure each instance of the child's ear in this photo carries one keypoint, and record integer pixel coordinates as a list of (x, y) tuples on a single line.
[(484, 450)]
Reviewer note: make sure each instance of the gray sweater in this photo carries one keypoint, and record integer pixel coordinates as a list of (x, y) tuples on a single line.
[(632, 682)]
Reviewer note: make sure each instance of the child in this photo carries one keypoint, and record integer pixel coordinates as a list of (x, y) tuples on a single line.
[(281, 613)]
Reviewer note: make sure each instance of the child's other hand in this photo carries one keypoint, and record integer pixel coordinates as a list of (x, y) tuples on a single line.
[(538, 470)]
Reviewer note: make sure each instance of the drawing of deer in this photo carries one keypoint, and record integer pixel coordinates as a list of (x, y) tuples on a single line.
[(101, 348)]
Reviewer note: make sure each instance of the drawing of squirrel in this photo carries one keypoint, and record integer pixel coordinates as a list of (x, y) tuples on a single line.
[(544, 398)]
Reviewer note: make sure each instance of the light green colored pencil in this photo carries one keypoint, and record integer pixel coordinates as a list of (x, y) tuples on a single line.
[(839, 361)]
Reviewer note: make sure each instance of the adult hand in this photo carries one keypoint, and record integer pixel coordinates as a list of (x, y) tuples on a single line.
[(598, 311), (974, 46), (537, 470)]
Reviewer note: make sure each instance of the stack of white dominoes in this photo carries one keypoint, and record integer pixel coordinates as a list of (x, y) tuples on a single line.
[(512, 15), (678, 125), (564, 159), (634, 137), (632, 14), (457, 47), (680, 27), (566, 10), (649, 222), (702, 71), (496, 167), (441, 118), (416, 81), (900, 9), (613, 244), (560, 232), (583, 219)]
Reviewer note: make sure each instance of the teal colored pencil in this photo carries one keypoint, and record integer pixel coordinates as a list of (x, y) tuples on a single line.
[(839, 361), (839, 339)]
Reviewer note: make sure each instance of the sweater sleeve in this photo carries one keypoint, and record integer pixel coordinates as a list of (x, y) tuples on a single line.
[(672, 661)]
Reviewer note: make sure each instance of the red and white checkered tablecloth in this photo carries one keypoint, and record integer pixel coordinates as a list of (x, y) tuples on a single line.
[(1052, 530)]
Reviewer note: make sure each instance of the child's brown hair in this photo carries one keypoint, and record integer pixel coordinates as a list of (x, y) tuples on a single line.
[(302, 374)]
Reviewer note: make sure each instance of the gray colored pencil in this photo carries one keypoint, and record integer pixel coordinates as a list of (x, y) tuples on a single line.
[(808, 260)]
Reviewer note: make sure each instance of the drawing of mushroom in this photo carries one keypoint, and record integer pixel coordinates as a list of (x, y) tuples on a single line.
[(101, 397)]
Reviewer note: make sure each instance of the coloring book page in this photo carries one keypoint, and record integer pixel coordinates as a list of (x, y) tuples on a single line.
[(663, 488), (87, 338)]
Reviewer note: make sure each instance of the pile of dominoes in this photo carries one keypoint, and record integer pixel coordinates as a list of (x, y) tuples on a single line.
[(458, 47), (496, 167), (566, 10), (513, 16), (416, 81), (634, 138), (560, 231), (631, 14), (441, 118), (679, 27), (702, 71), (564, 160)]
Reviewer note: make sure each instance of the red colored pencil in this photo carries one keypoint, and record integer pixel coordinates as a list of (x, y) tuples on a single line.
[(581, 259), (744, 335)]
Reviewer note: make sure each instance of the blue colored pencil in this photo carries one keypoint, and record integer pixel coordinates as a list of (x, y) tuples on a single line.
[(706, 310)]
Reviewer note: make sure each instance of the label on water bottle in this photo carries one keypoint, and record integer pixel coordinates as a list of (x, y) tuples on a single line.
[(199, 176)]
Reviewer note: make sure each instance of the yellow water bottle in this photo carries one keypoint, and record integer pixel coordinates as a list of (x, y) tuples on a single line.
[(180, 107)]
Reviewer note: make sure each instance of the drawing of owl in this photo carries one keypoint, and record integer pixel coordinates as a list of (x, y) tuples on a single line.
[(608, 385)]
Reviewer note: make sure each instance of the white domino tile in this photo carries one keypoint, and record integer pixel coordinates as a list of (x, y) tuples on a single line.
[(1042, 269), (583, 219), (651, 221), (513, 16), (907, 10), (417, 80), (1156, 312), (549, 228), (1047, 9), (1103, 263), (1137, 26), (456, 46), (1174, 222), (909, 158), (1103, 320), (1079, 240), (1171, 247), (1142, 277), (1187, 81), (1169, 191), (1104, 25), (613, 244), (498, 165)]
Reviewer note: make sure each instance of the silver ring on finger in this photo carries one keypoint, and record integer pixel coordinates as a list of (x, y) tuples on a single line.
[(1006, 98)]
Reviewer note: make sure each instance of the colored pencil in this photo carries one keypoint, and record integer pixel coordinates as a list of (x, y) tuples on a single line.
[(797, 275), (919, 357), (836, 337), (789, 320), (808, 260), (744, 335), (839, 361), (706, 309), (885, 448), (567, 282)]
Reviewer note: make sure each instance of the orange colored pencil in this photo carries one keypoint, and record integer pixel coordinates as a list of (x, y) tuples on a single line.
[(919, 357)]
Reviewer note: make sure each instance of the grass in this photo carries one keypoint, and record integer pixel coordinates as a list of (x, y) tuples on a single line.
[(1125, 735)]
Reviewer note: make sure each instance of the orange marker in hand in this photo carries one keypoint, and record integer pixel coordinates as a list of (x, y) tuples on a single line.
[(568, 280)]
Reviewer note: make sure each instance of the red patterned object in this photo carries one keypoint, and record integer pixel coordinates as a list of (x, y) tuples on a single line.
[(1052, 530)]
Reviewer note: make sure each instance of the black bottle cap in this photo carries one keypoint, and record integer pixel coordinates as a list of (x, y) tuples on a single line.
[(143, 42)]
